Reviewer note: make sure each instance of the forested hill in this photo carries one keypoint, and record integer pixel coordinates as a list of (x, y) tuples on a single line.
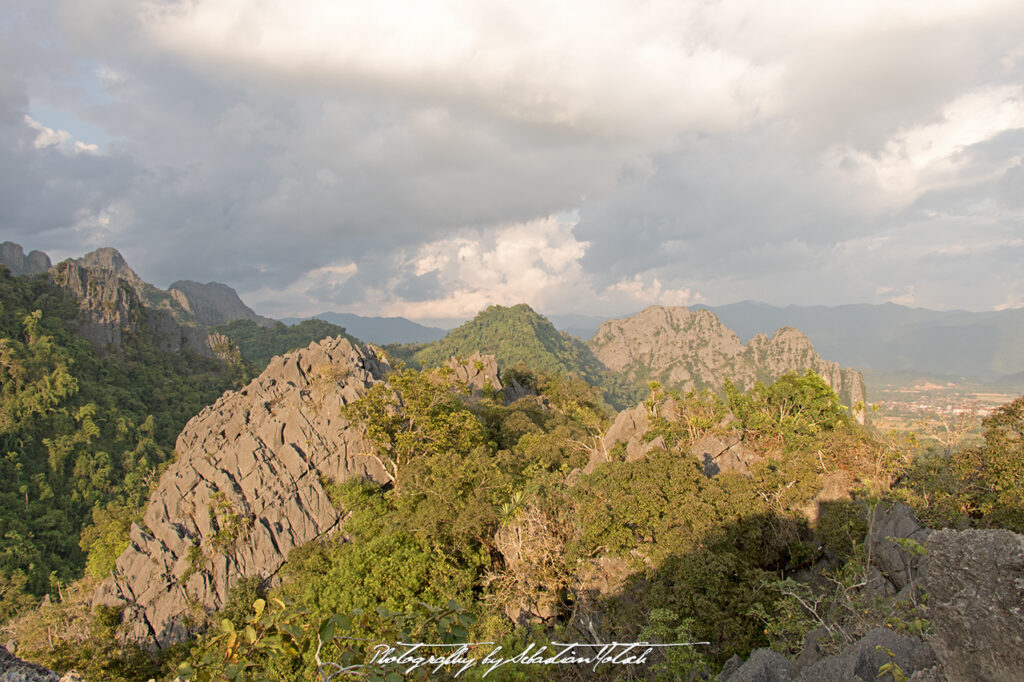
[(516, 336)]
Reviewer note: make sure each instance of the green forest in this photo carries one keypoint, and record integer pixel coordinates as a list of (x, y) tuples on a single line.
[(84, 435)]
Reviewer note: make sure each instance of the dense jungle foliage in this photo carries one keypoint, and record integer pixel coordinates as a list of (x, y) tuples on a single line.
[(82, 436), (489, 531)]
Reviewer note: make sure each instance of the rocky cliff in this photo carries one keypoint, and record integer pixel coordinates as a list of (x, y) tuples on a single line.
[(245, 489), (18, 263), (693, 349), (214, 303), (114, 303)]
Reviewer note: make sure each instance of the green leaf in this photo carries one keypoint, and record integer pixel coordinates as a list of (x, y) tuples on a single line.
[(326, 631), (258, 606)]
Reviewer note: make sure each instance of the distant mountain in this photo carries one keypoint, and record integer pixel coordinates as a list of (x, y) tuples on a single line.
[(379, 330), (13, 256), (890, 337), (692, 349), (214, 303), (516, 335)]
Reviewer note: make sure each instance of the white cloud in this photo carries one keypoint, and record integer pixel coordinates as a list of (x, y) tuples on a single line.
[(738, 149), (536, 262), (47, 137), (929, 156), (310, 294), (602, 67), (973, 246), (641, 293), (61, 139)]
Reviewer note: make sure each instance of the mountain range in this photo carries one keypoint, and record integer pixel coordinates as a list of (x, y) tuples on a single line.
[(379, 330), (886, 337), (329, 484)]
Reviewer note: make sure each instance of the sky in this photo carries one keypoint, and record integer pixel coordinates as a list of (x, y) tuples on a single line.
[(426, 159)]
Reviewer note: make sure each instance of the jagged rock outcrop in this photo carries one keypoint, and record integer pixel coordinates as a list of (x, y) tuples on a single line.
[(111, 310), (975, 584), (721, 451), (18, 263), (974, 580), (886, 530), (727, 452), (214, 303), (861, 660), (789, 349), (245, 489), (13, 669), (479, 373), (693, 349)]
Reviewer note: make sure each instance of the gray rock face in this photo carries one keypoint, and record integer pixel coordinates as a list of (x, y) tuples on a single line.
[(724, 453), (110, 308), (764, 665), (112, 260), (245, 489), (479, 373), (687, 350), (862, 659), (629, 427), (716, 453), (214, 303), (975, 582), (897, 564), (13, 669), (858, 662), (18, 263)]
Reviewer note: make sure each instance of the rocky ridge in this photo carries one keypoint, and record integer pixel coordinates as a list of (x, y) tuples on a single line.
[(213, 303), (111, 310), (13, 256), (692, 350), (245, 489)]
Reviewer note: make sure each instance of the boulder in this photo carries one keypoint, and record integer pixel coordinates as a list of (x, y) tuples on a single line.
[(885, 528), (764, 665), (975, 583), (863, 659)]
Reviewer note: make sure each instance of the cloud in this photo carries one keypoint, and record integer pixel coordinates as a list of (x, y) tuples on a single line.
[(414, 157)]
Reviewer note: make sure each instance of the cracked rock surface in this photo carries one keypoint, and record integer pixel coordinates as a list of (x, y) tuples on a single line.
[(245, 489)]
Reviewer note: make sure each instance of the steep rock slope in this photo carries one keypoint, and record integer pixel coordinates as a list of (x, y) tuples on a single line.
[(114, 304), (245, 489), (693, 349), (214, 303)]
